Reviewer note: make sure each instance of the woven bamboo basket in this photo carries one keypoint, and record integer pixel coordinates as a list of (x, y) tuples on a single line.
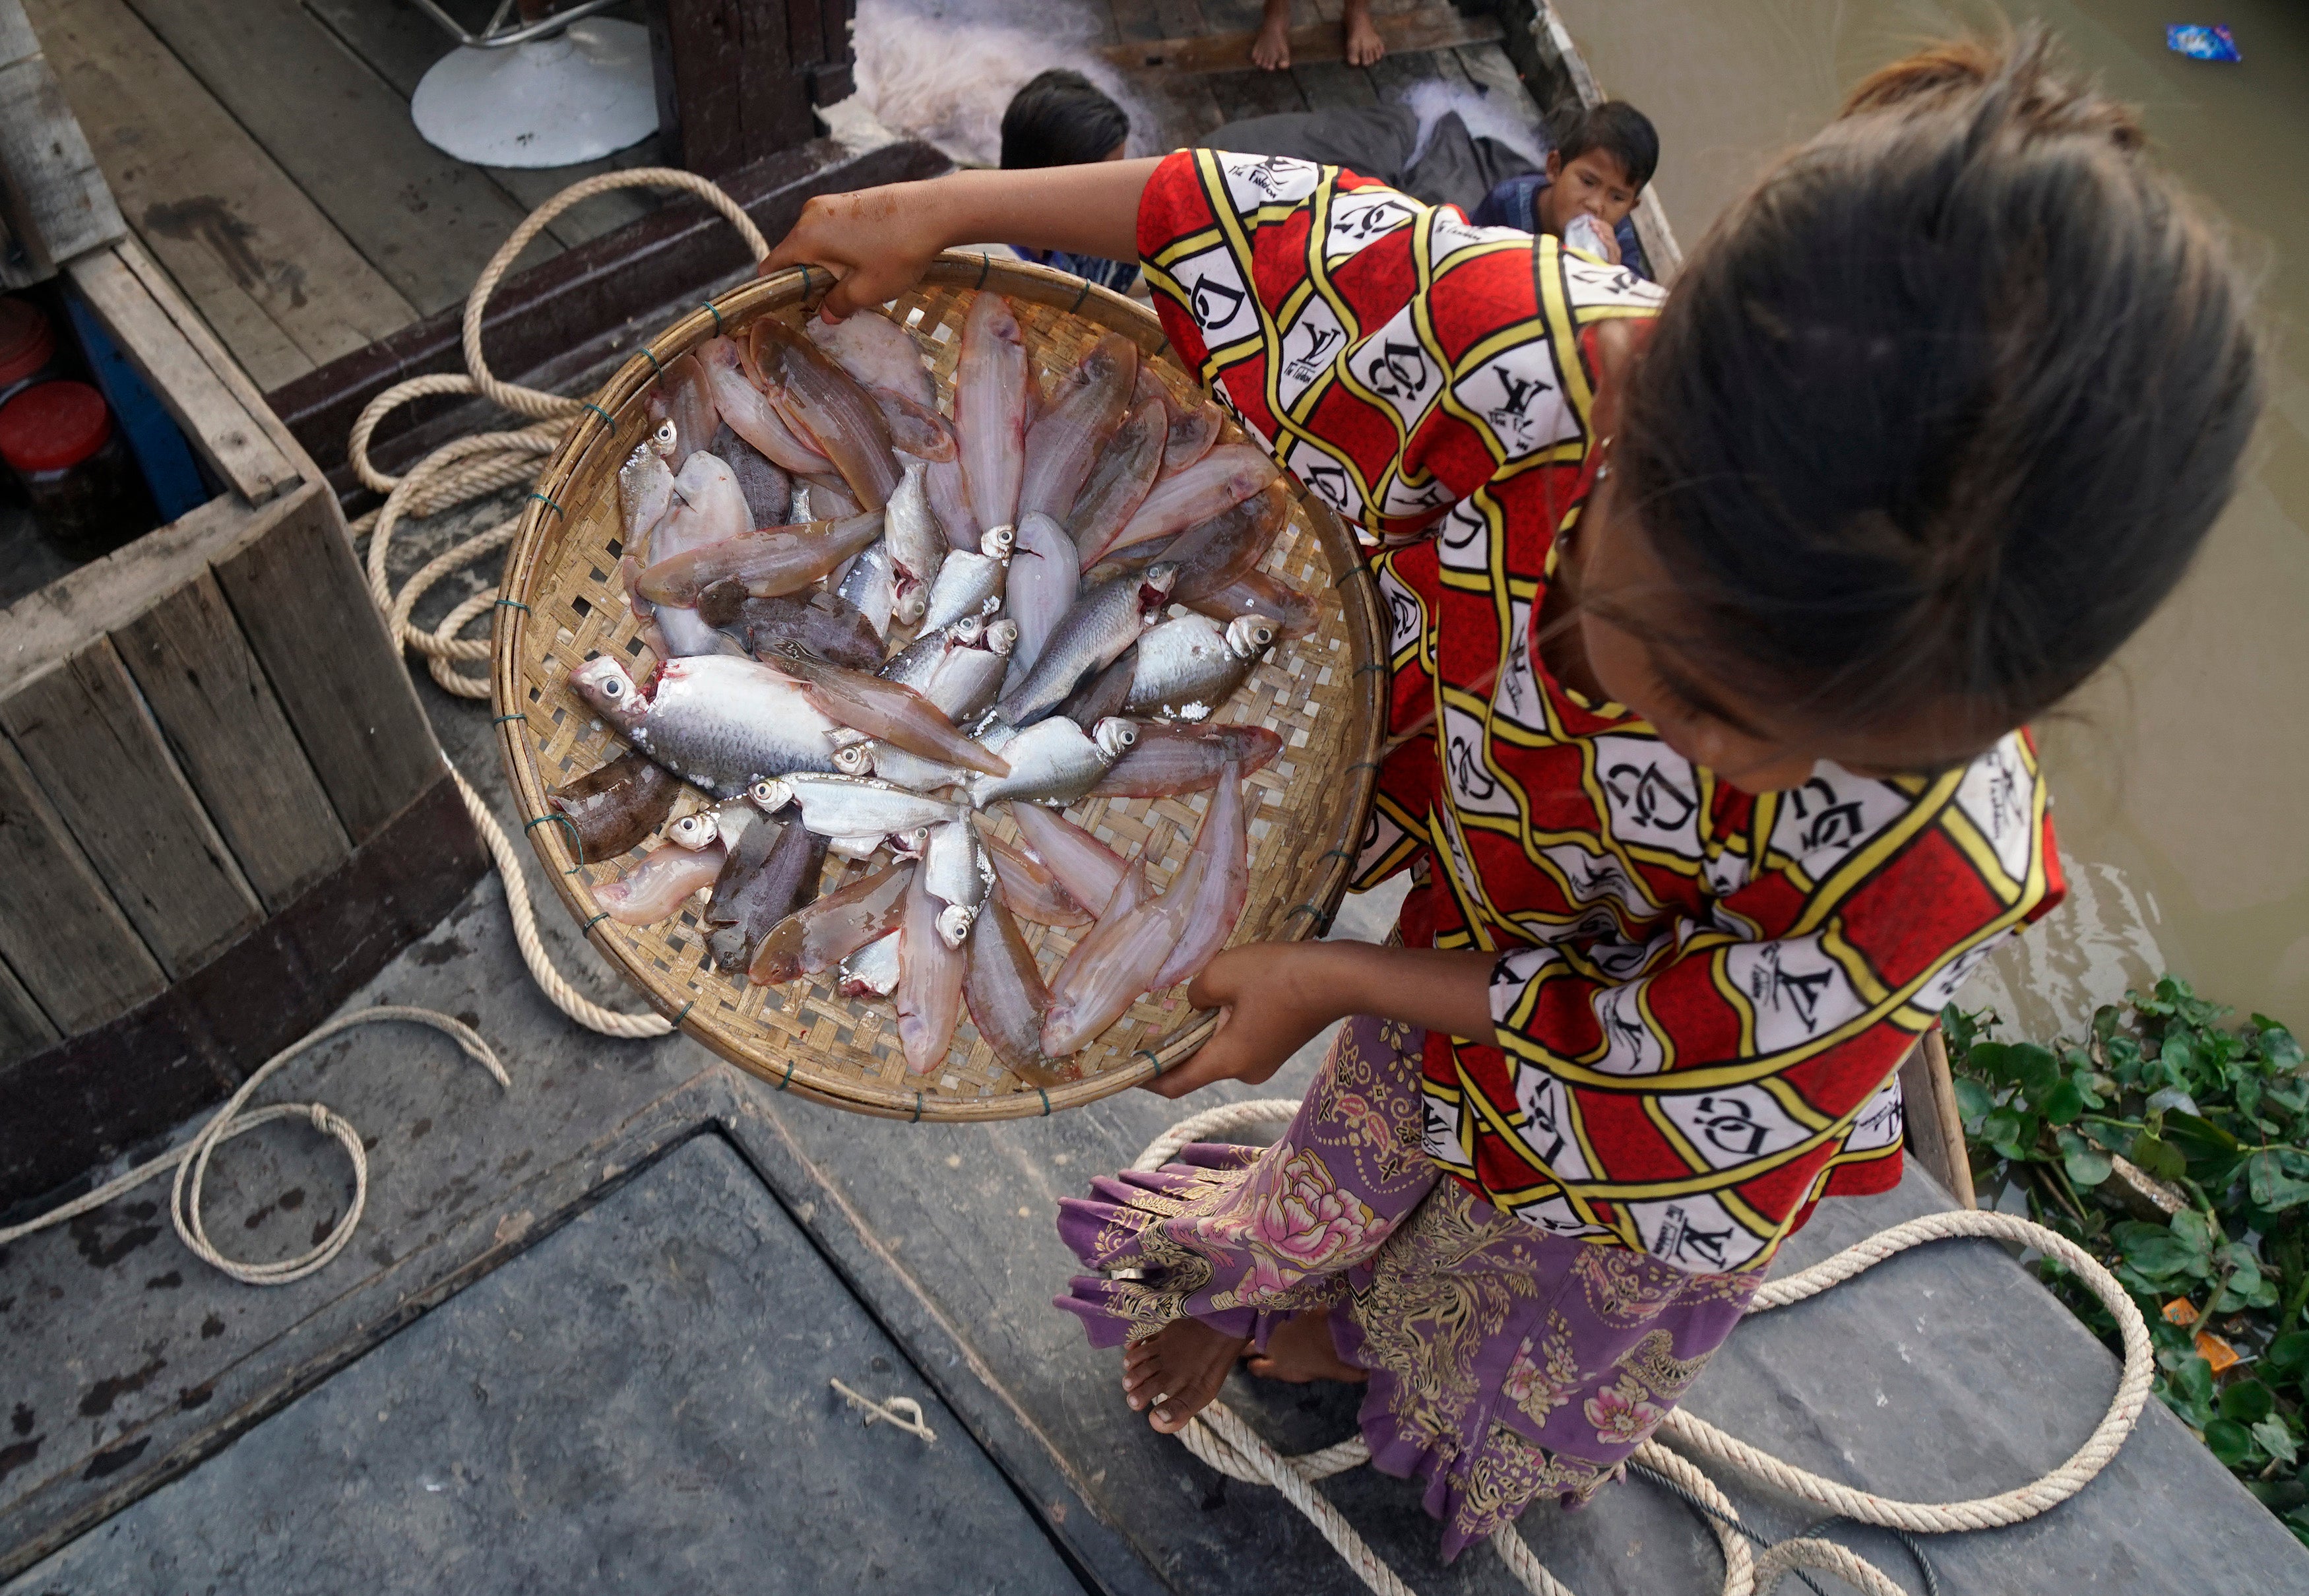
[(565, 604)]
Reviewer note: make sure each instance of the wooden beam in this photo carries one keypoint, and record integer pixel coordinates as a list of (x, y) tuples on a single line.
[(102, 763), (54, 198), (211, 696), (1936, 1128), (734, 84), (24, 1028), (1429, 27), (78, 957), (217, 407), (302, 602), (283, 288)]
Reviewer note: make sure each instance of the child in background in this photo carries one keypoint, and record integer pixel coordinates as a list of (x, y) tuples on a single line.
[(1715, 620), (1598, 169), (1061, 118), (1361, 43)]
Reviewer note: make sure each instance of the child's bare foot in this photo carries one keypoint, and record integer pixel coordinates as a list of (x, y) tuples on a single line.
[(1300, 1349), (1364, 46), (1176, 1371), (1272, 48)]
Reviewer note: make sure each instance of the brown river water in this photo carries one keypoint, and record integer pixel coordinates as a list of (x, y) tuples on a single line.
[(2181, 778)]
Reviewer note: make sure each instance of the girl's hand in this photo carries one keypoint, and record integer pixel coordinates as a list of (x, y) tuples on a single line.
[(877, 243), (1268, 1010)]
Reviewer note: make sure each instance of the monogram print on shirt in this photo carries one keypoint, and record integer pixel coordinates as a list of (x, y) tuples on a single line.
[(1732, 1125)]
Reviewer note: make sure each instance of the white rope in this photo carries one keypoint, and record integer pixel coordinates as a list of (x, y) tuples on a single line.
[(900, 1413), (1222, 1439), (191, 1161), (465, 469)]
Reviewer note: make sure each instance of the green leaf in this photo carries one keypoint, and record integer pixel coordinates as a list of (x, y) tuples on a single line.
[(2272, 1188), (2085, 1165), (2276, 1043), (2197, 1230), (2034, 1067), (2161, 1257), (2012, 1134), (2289, 1353), (2228, 1441), (1973, 1100), (2247, 1401), (2064, 1103), (1989, 1058), (2192, 1379), (2159, 1159), (2276, 1439)]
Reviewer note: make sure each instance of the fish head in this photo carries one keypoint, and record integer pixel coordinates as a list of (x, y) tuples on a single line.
[(1114, 736), (910, 845), (602, 682), (1155, 584), (954, 925), (997, 541), (966, 633), (665, 440), (857, 760), (912, 604), (770, 795), (1002, 637), (694, 830), (1249, 636)]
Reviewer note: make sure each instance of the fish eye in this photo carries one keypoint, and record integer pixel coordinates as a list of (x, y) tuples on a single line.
[(612, 687)]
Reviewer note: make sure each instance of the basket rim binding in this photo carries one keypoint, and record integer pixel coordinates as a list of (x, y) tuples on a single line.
[(537, 537)]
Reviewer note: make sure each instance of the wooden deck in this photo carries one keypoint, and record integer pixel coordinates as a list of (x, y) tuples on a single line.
[(262, 151)]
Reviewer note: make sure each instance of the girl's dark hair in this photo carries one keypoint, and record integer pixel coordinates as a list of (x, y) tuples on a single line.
[(1621, 132), (1060, 118), (1947, 403)]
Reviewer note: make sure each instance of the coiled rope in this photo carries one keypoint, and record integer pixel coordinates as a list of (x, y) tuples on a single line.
[(465, 469), (1224, 1441)]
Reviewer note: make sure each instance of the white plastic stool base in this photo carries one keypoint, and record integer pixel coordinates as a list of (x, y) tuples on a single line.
[(576, 96)]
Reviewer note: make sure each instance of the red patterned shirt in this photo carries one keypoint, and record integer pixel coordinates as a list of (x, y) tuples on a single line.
[(1702, 995)]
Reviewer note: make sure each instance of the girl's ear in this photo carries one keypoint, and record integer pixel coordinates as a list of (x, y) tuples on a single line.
[(1554, 165)]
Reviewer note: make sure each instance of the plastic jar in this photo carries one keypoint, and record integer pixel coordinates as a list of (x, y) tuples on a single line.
[(75, 468), (27, 348)]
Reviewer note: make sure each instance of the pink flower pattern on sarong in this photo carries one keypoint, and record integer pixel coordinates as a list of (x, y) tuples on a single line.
[(1621, 1415), (1302, 1222)]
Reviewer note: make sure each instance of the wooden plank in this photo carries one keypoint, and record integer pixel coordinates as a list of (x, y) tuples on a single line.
[(219, 361), (400, 43), (232, 440), (303, 607), (57, 204), (60, 931), (18, 41), (100, 759), (1241, 95), (734, 74), (24, 1029), (427, 223), (1429, 27), (1935, 1126), (209, 695), (283, 288)]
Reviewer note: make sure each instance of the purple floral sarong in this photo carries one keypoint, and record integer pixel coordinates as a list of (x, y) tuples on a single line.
[(1506, 1363)]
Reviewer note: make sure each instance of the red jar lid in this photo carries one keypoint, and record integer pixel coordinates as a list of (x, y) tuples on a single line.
[(27, 341), (53, 426)]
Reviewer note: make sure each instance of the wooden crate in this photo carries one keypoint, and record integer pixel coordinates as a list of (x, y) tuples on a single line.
[(221, 806)]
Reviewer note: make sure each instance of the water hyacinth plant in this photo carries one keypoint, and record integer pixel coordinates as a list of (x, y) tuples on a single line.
[(2176, 1148)]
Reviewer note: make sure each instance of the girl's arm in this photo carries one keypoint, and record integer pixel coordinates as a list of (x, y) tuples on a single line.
[(1275, 997), (879, 241)]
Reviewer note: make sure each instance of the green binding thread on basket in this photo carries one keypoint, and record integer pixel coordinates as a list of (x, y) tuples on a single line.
[(985, 264), (1321, 920), (1357, 569), (789, 1076), (1334, 853), (501, 720), (574, 836), (549, 505), (1079, 298), (1046, 1101), (805, 294), (686, 1008), (596, 920), (650, 355), (514, 604), (1380, 665), (604, 414), (714, 311), (918, 1110), (1153, 1058)]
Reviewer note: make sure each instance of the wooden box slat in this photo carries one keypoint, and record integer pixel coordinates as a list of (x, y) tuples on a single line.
[(306, 610), (23, 1027), (228, 728), (100, 758), (78, 957)]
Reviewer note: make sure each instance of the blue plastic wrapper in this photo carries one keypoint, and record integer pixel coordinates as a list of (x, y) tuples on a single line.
[(2202, 41)]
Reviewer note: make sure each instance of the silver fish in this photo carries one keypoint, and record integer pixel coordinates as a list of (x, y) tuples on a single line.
[(949, 500), (955, 866), (1223, 839), (970, 583), (1004, 990), (1103, 623), (1119, 960), (696, 830), (1066, 437), (1188, 667), (916, 665), (877, 351), (846, 806), (1045, 578), (684, 398), (900, 769), (969, 679), (645, 493), (720, 722), (917, 547), (1084, 866), (667, 877), (929, 978), (870, 585), (708, 507), (873, 971), (1053, 761), (747, 410), (1219, 480)]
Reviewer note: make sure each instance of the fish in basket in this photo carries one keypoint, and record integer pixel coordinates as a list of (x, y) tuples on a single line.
[(912, 706)]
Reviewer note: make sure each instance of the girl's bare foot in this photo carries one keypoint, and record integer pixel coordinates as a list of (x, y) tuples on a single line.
[(1176, 1371), (1364, 46), (1300, 1349), (1272, 48)]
